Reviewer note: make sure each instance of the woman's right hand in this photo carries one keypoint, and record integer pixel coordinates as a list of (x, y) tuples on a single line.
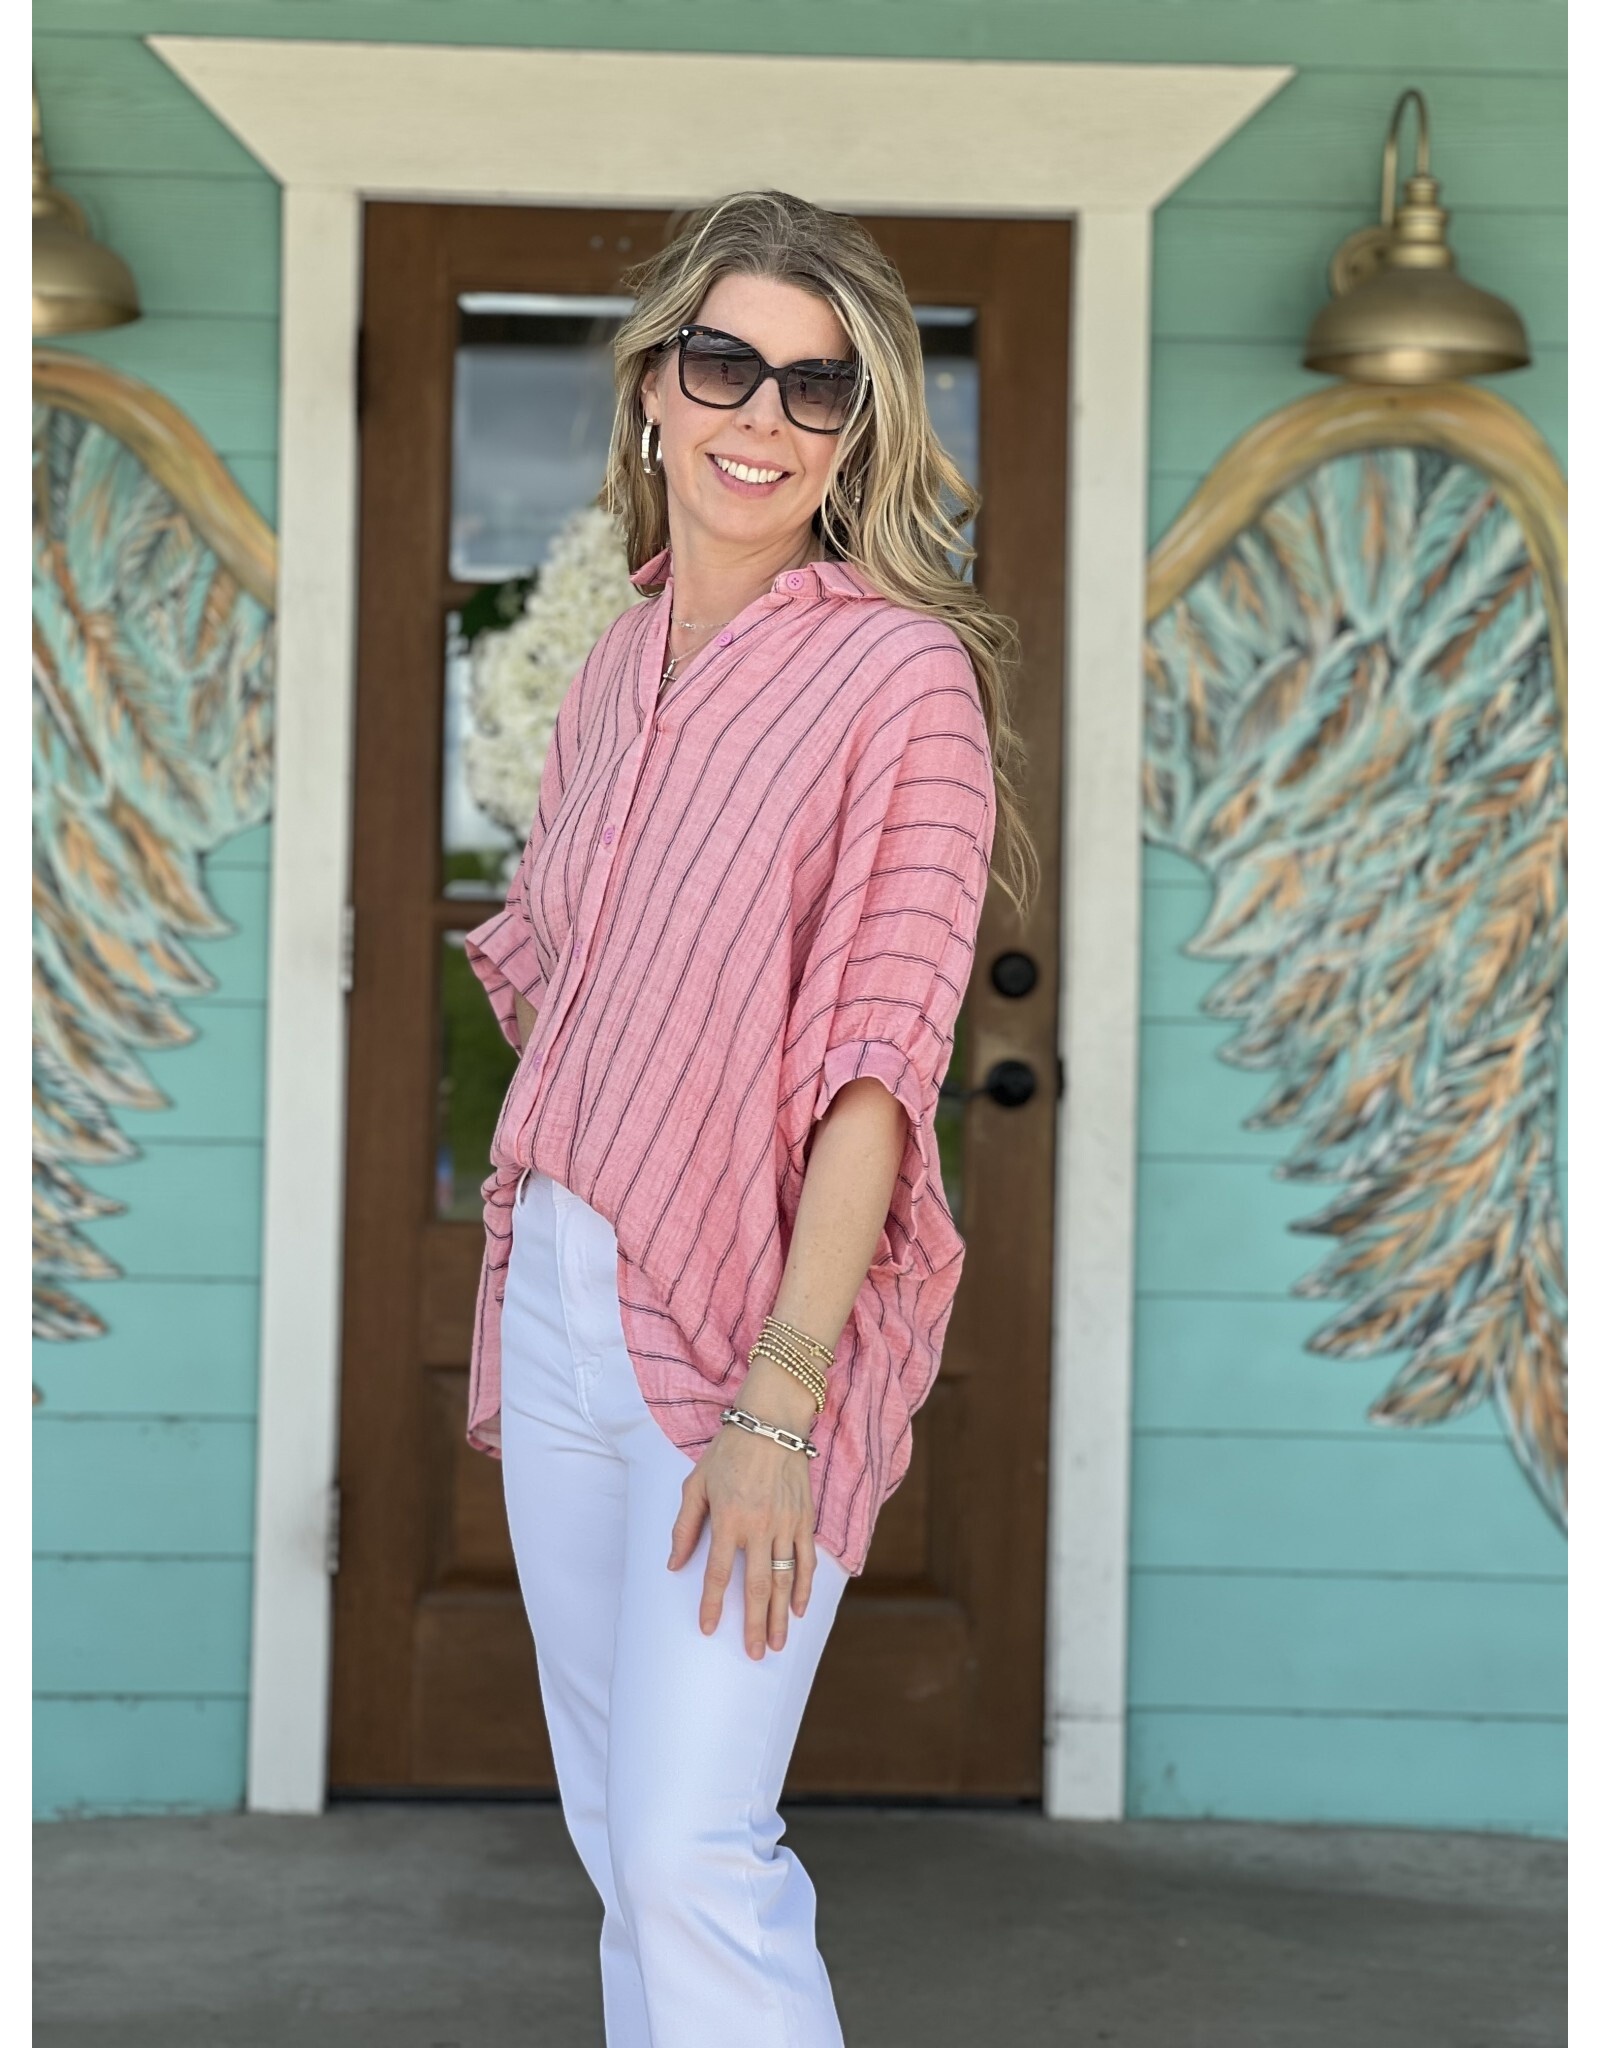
[(758, 1497)]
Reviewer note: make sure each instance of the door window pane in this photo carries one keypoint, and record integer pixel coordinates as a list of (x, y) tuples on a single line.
[(475, 1069), (532, 424), (480, 853), (532, 414), (949, 336), (950, 377)]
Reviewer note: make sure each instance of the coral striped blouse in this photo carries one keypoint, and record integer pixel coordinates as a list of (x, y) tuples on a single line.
[(738, 895)]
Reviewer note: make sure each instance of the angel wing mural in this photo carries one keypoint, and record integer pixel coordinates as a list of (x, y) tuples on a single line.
[(1354, 695), (152, 723)]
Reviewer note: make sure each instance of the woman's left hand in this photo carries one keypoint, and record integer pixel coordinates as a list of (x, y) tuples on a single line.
[(758, 1496)]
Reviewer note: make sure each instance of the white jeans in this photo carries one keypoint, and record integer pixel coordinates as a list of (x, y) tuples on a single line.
[(670, 1745)]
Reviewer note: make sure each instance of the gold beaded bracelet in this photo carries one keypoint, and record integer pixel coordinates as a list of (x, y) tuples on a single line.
[(816, 1358), (806, 1374), (797, 1369), (781, 1341), (797, 1354), (800, 1337)]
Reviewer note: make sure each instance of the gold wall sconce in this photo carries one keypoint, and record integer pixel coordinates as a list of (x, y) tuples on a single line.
[(1400, 311), (79, 285)]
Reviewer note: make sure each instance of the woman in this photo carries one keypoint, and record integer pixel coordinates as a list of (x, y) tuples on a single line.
[(719, 1259)]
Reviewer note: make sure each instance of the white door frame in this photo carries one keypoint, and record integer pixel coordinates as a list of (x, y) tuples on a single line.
[(338, 123)]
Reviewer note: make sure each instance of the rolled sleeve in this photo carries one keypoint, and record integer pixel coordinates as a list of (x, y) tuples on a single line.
[(910, 889), (504, 954)]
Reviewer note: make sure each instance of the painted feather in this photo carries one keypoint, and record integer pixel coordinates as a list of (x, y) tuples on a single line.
[(1353, 727), (152, 710)]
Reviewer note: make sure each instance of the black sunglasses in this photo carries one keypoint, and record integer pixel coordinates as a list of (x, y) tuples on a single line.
[(721, 370)]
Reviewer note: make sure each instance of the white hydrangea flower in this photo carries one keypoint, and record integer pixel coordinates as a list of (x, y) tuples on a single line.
[(521, 673)]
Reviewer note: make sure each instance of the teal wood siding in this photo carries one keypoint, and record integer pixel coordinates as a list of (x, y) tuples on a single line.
[(1328, 1622), (144, 1441)]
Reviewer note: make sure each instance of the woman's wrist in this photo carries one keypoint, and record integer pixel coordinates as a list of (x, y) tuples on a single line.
[(777, 1396)]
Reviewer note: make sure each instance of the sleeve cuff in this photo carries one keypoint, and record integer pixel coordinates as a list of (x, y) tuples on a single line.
[(503, 955), (876, 1058)]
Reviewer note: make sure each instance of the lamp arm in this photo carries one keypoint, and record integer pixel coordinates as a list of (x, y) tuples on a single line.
[(1391, 148)]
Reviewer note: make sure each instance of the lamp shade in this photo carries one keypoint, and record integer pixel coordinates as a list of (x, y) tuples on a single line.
[(78, 284), (1401, 313)]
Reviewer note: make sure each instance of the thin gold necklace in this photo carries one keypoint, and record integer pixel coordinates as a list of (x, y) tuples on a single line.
[(669, 673), (689, 626)]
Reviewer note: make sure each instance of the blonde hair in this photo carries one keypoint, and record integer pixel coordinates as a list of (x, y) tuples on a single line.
[(895, 504)]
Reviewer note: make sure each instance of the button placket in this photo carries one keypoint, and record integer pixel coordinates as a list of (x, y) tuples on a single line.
[(777, 598), (589, 908)]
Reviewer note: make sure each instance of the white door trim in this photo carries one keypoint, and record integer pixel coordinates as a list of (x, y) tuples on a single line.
[(341, 122)]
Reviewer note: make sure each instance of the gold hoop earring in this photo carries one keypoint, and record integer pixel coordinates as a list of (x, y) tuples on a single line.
[(651, 467)]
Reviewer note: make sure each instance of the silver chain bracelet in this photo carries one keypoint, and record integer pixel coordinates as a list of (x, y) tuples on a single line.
[(742, 1419)]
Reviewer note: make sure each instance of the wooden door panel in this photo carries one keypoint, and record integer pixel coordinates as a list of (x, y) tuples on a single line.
[(471, 1543), (450, 1258), (892, 1696), (932, 1682), (476, 1719)]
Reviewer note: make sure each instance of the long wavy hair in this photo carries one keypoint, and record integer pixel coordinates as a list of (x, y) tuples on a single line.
[(895, 503)]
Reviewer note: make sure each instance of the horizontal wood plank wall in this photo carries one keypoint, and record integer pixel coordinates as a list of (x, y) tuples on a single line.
[(1329, 1621), (144, 1444), (1399, 1659)]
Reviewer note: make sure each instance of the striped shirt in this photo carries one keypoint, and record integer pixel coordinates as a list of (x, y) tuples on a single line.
[(737, 895)]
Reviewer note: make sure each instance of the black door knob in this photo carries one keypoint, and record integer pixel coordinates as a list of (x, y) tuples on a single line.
[(1014, 974), (1010, 1083)]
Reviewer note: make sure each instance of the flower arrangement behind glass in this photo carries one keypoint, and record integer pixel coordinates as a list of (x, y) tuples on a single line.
[(529, 638)]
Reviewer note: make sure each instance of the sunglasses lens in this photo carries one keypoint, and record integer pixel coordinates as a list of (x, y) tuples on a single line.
[(716, 373), (819, 395), (718, 369)]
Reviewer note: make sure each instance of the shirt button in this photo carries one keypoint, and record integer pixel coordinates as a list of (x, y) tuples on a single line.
[(724, 639), (536, 1063), (609, 834), (795, 580)]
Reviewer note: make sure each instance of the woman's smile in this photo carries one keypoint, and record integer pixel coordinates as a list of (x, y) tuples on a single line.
[(747, 479)]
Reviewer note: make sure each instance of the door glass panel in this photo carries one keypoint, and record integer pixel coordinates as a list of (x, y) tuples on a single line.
[(533, 407), (532, 424), (950, 376), (533, 410), (475, 1069), (480, 851), (949, 337), (532, 414)]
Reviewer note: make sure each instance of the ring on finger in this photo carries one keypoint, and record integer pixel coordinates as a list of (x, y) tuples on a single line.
[(783, 1564)]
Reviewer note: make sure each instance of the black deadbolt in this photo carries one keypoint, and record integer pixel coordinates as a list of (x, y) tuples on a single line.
[(1014, 974)]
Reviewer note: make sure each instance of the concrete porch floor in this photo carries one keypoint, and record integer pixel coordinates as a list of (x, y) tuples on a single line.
[(473, 1926)]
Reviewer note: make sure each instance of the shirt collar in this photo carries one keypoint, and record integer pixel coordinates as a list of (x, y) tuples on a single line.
[(833, 579)]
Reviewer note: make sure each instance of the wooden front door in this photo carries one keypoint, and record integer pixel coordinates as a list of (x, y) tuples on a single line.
[(485, 411)]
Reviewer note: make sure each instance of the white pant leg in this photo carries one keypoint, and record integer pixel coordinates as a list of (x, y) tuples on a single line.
[(721, 1919), (566, 1504), (724, 1918)]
